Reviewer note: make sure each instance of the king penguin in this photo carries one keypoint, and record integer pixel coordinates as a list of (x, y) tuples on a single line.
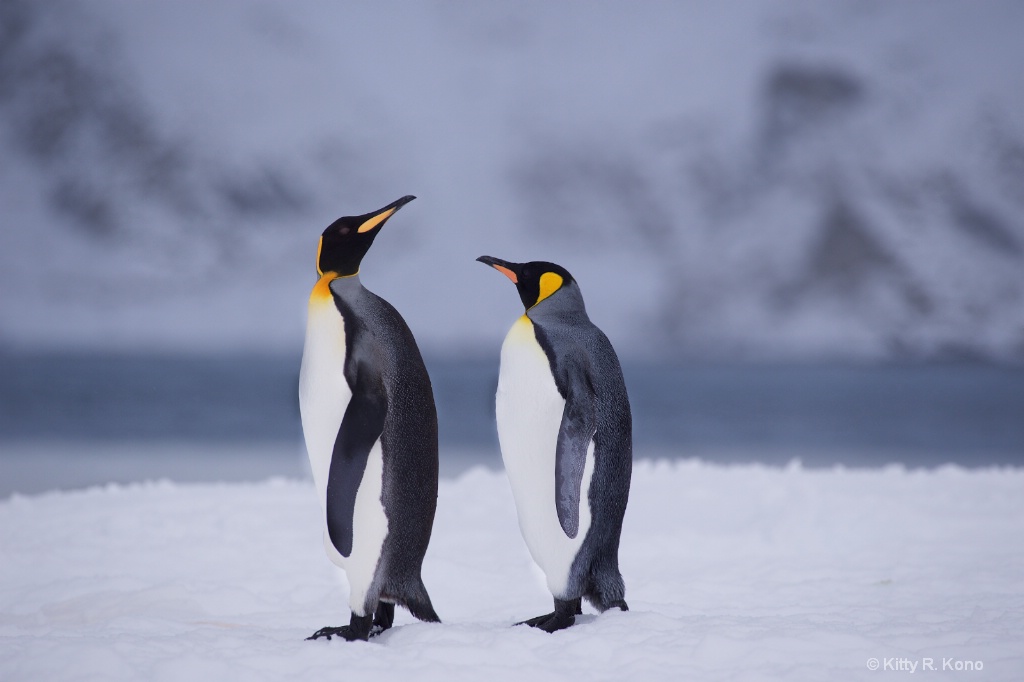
[(565, 430), (370, 428)]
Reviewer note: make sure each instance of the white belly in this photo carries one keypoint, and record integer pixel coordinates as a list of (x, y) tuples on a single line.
[(529, 411), (324, 395)]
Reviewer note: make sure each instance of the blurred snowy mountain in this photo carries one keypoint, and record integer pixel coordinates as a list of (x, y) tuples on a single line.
[(743, 180)]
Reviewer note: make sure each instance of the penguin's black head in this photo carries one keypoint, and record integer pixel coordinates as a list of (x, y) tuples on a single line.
[(535, 280), (346, 240)]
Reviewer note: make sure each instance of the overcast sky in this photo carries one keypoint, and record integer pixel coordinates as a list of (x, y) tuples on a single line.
[(742, 180)]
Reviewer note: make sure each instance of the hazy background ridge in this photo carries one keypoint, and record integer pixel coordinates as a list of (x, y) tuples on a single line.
[(766, 181)]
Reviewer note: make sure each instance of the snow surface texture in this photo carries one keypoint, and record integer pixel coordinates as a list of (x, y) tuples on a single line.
[(732, 573), (745, 179)]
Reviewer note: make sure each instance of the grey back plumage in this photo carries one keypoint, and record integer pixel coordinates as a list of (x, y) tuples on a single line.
[(589, 377), (382, 359)]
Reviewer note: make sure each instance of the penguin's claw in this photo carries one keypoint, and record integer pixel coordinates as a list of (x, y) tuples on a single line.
[(358, 628), (556, 622), (562, 617), (346, 633), (551, 622), (343, 631), (534, 622)]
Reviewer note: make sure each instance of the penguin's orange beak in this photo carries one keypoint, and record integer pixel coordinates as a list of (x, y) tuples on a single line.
[(504, 267)]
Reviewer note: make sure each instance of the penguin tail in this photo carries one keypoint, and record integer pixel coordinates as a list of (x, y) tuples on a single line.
[(605, 589), (415, 598)]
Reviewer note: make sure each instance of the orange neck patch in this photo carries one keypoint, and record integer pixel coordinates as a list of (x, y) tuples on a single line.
[(322, 289)]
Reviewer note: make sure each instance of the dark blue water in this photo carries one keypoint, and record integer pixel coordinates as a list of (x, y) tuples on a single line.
[(921, 415)]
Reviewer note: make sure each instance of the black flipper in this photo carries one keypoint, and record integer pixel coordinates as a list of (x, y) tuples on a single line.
[(361, 427), (579, 424)]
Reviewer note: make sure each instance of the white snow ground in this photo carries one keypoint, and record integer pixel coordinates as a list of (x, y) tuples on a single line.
[(732, 573)]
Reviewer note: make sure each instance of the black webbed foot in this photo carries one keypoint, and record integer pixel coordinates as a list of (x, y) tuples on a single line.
[(534, 622), (358, 628), (562, 617), (343, 631)]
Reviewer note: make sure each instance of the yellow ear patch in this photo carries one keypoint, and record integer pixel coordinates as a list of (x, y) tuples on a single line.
[(550, 282), (375, 220), (319, 248)]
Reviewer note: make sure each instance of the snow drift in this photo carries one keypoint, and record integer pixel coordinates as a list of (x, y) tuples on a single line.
[(731, 573)]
